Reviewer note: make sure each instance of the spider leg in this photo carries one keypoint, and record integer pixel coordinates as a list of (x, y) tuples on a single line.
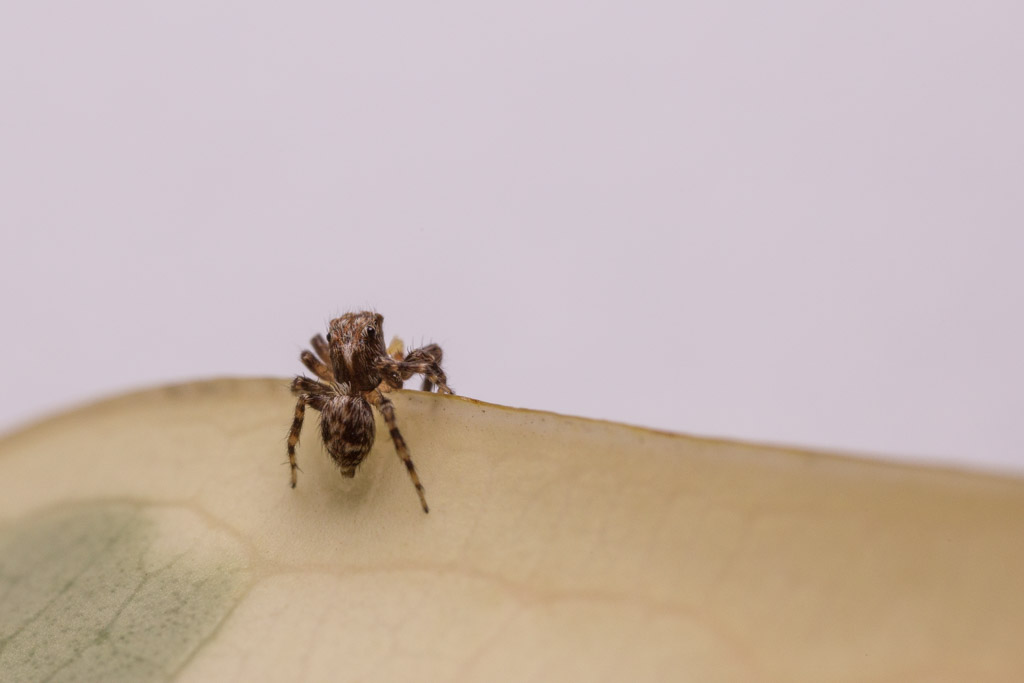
[(317, 399), (426, 361), (392, 378), (316, 365), (387, 409), (322, 349), (305, 385)]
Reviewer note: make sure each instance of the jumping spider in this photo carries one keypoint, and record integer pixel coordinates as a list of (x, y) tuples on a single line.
[(353, 366)]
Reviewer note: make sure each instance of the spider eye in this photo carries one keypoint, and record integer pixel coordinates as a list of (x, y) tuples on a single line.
[(329, 337), (371, 331)]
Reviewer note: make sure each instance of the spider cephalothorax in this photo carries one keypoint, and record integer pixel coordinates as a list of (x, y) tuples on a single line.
[(351, 366)]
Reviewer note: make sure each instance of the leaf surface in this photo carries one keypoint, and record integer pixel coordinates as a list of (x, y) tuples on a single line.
[(154, 537)]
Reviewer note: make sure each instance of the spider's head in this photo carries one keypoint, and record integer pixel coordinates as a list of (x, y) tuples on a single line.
[(365, 327), (357, 343)]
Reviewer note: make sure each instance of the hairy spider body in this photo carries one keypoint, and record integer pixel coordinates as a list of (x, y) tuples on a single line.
[(348, 431), (353, 369)]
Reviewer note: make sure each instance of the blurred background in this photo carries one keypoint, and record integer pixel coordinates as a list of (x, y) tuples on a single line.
[(792, 222)]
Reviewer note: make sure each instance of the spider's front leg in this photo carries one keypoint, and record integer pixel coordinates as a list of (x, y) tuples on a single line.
[(310, 393), (319, 364), (426, 361), (387, 409), (392, 378)]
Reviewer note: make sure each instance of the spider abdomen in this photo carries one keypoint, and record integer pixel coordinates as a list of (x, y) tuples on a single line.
[(346, 425)]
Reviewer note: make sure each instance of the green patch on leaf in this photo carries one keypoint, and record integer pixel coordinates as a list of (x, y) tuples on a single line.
[(93, 592)]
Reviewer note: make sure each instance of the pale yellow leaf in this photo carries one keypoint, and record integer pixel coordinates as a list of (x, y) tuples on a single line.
[(155, 537)]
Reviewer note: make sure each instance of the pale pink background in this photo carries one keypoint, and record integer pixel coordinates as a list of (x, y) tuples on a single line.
[(789, 221)]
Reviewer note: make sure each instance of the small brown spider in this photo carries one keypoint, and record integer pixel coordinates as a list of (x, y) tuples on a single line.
[(352, 364)]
